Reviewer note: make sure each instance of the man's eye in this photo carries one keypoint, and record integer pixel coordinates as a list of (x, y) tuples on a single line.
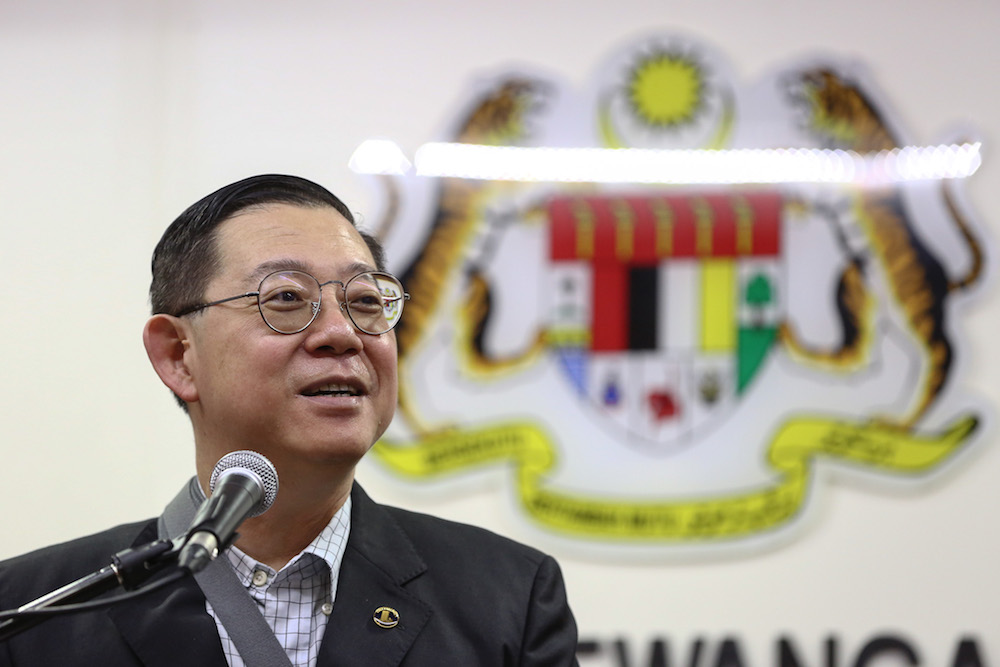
[(367, 302), (284, 299)]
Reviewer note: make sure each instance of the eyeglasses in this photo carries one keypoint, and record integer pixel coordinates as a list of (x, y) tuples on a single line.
[(289, 301)]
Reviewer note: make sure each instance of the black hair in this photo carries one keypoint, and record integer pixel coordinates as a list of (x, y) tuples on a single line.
[(187, 258)]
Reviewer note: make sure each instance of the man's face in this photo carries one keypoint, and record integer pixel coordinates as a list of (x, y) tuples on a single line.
[(318, 397)]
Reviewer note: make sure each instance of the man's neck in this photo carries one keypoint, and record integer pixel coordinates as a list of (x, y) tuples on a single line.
[(305, 505), (281, 533)]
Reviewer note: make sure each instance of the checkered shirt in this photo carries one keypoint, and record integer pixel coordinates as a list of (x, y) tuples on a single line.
[(297, 600)]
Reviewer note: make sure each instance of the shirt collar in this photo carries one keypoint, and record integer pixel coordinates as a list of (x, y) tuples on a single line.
[(328, 546)]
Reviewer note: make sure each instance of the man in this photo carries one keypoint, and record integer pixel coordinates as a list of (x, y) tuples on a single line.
[(272, 325)]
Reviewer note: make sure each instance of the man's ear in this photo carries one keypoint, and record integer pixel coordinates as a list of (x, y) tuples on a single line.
[(168, 344)]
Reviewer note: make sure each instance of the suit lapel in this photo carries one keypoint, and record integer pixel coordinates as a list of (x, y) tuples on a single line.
[(379, 560), (170, 627)]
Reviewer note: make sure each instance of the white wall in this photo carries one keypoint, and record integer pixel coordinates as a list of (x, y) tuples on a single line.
[(115, 115)]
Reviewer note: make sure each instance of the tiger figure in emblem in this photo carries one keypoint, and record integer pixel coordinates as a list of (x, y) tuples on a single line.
[(843, 116)]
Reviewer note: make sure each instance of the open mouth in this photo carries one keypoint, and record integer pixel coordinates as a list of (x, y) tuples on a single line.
[(333, 390)]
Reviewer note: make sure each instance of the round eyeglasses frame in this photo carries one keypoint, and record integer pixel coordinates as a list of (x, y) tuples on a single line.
[(316, 305)]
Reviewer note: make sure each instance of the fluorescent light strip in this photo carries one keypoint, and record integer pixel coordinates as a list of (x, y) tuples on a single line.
[(634, 165)]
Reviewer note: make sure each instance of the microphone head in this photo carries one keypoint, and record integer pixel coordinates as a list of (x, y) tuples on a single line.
[(250, 464)]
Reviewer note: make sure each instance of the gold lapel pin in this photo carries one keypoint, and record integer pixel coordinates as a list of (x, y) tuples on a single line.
[(386, 617)]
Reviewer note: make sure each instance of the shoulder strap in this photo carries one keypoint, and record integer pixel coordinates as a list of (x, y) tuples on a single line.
[(253, 637)]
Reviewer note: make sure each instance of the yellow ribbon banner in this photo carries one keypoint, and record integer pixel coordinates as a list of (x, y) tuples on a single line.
[(870, 445)]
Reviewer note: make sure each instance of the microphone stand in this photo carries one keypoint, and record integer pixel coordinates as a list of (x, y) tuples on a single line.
[(129, 569)]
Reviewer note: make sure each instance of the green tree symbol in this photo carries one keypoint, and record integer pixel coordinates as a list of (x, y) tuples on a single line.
[(759, 294)]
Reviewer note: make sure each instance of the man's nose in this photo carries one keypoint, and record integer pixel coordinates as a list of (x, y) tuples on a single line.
[(333, 327)]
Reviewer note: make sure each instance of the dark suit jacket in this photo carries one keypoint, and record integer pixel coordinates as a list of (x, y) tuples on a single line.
[(464, 596)]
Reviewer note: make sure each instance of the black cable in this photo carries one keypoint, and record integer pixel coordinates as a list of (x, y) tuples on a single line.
[(56, 610)]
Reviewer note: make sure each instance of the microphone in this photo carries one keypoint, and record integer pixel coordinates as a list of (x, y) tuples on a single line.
[(243, 485)]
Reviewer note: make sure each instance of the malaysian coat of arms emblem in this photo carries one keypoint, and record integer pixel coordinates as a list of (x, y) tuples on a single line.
[(677, 366)]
